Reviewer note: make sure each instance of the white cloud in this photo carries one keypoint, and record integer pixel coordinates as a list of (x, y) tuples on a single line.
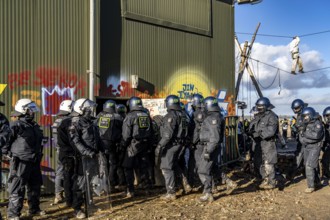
[(292, 86)]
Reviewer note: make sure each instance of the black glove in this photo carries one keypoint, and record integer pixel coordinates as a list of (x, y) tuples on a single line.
[(122, 146)]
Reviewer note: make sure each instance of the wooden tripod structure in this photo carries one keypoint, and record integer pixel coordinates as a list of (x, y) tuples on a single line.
[(245, 54)]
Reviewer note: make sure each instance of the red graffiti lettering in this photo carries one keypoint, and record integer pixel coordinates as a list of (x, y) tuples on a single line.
[(19, 79), (50, 77)]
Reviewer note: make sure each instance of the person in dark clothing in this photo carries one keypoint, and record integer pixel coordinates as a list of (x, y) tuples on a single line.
[(173, 132), (184, 154), (5, 133), (136, 141), (110, 127), (311, 138), (24, 149), (63, 115), (198, 117), (84, 138), (255, 152), (264, 133), (326, 145), (209, 142), (297, 107), (65, 153)]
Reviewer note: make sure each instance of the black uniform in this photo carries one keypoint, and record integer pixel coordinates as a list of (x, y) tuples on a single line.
[(299, 126), (312, 140), (59, 169), (84, 137), (137, 139), (25, 147), (110, 128), (256, 153), (326, 153), (173, 132), (195, 153), (4, 137), (66, 155), (266, 129), (210, 138)]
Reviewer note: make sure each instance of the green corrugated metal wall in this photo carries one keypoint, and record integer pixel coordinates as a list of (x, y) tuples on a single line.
[(44, 55), (168, 56)]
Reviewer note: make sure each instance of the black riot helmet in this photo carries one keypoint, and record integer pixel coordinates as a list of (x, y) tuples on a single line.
[(326, 115), (211, 104), (263, 104), (196, 101), (109, 106), (121, 110), (308, 114), (297, 106), (135, 103), (172, 102)]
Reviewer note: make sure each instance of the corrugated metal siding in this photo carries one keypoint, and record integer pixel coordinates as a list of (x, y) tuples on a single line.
[(188, 15), (170, 58), (44, 47)]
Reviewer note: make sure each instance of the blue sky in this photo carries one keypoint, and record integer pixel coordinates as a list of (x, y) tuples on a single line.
[(288, 18)]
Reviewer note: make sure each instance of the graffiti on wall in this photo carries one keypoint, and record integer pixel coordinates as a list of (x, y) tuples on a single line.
[(181, 85), (52, 86), (187, 91)]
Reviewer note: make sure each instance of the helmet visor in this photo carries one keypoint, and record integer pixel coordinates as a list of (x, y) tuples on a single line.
[(327, 119), (297, 110), (306, 118), (261, 108), (32, 107)]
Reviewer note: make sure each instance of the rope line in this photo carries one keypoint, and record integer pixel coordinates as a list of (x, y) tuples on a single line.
[(285, 36), (267, 64)]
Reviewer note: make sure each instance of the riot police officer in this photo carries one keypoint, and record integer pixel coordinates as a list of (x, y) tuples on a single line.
[(185, 152), (65, 109), (311, 138), (4, 136), (84, 137), (173, 133), (25, 150), (265, 131), (198, 117), (297, 107), (110, 127), (65, 153), (209, 141), (326, 146), (136, 140)]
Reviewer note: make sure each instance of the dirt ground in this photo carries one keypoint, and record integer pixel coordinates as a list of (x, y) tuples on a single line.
[(246, 202)]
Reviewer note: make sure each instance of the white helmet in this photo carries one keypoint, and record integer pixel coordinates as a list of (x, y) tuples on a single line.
[(23, 105), (66, 107), (82, 105)]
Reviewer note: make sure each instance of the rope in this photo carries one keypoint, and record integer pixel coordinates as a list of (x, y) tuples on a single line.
[(262, 86), (284, 36), (279, 81), (324, 68)]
